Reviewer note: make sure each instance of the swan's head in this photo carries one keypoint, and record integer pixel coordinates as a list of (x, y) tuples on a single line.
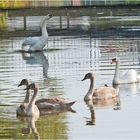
[(48, 17), (115, 60), (44, 22), (32, 86), (23, 82), (89, 75)]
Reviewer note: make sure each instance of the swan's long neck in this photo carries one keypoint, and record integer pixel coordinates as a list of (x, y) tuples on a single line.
[(90, 91), (32, 102), (43, 29), (26, 100), (116, 75)]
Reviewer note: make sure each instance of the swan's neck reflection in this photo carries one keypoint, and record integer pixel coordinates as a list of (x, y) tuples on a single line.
[(92, 111), (92, 104), (37, 58)]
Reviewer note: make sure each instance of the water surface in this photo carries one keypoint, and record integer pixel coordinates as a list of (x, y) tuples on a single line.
[(59, 71)]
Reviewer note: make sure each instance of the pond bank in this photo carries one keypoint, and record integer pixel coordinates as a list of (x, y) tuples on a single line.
[(16, 4), (95, 22)]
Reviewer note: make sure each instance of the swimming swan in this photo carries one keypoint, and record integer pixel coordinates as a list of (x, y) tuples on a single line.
[(50, 103), (98, 93), (39, 42), (130, 76), (26, 100), (31, 109)]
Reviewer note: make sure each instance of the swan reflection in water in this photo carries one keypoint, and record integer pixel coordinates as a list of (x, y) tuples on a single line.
[(37, 58), (129, 89), (31, 128), (101, 104)]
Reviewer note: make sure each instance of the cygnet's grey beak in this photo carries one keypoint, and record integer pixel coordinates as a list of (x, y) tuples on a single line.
[(27, 88), (83, 79), (19, 85)]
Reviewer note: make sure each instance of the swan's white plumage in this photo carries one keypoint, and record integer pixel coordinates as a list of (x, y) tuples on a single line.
[(31, 41), (39, 42), (129, 76)]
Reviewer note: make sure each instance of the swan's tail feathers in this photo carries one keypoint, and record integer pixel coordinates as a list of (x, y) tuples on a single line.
[(71, 103)]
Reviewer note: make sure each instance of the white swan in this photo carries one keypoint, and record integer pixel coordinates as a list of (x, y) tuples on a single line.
[(130, 76), (31, 109), (50, 103), (38, 43), (98, 93)]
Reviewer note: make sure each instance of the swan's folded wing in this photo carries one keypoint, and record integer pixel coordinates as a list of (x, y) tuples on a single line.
[(31, 41), (52, 100), (105, 92), (129, 77)]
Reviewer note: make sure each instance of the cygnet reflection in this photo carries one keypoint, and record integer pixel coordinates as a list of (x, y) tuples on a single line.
[(92, 120), (100, 104), (31, 128)]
